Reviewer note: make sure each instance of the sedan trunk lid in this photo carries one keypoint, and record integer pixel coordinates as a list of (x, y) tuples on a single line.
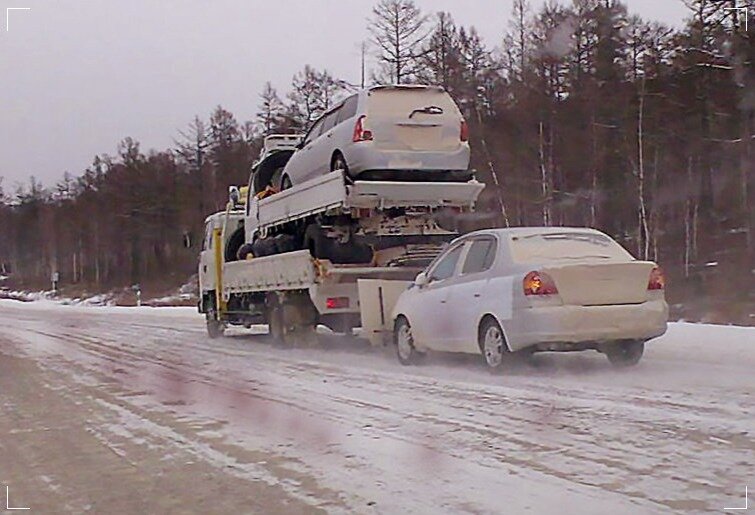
[(599, 284)]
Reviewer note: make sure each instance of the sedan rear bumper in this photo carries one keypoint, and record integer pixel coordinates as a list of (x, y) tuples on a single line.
[(585, 325)]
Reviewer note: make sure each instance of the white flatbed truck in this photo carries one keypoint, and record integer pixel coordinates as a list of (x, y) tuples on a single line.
[(295, 290)]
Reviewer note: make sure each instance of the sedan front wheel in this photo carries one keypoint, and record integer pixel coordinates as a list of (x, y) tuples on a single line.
[(405, 350)]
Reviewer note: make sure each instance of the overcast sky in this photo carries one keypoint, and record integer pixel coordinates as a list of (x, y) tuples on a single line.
[(77, 76)]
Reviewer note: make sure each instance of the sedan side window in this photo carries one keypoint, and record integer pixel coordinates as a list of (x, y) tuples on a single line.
[(480, 256), (446, 266), (330, 121), (314, 132)]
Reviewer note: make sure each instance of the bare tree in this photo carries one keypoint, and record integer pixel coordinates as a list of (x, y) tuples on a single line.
[(397, 30), (441, 62), (313, 92), (271, 110), (518, 38), (193, 148)]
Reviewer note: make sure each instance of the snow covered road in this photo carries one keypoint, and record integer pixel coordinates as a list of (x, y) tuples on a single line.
[(127, 410)]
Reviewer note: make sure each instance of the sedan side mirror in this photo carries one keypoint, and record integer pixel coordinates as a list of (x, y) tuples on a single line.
[(421, 280)]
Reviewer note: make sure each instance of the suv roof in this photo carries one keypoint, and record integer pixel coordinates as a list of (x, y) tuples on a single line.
[(406, 86)]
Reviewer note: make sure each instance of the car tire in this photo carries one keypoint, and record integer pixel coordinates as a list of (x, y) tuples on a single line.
[(406, 352), (625, 354), (285, 183), (339, 163), (262, 247), (315, 241), (492, 341)]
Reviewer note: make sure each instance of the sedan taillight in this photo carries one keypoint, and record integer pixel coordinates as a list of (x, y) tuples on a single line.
[(539, 283), (656, 281), (464, 131), (360, 134)]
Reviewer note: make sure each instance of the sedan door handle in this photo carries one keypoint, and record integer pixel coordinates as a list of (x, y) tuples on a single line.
[(477, 295), (443, 302)]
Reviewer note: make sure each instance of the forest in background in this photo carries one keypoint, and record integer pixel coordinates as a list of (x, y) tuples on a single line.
[(582, 114)]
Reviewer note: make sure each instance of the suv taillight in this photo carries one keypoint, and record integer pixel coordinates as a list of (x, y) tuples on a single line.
[(656, 281), (539, 283), (464, 131), (360, 134)]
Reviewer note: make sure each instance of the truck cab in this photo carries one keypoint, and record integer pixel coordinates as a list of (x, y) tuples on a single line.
[(222, 239)]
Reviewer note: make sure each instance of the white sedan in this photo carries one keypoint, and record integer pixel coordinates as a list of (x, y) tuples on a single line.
[(500, 291)]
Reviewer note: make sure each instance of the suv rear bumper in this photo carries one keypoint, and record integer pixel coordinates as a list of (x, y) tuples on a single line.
[(414, 175), (364, 156)]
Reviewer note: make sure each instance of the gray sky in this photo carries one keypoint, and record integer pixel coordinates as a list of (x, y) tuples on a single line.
[(77, 76)]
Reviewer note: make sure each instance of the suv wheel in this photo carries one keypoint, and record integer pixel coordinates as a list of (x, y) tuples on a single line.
[(339, 163)]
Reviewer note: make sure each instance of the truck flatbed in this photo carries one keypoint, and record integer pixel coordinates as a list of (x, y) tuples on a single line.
[(332, 192)]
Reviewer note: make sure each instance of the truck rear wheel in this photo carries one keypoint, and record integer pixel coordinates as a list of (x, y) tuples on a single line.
[(215, 328), (292, 319), (276, 328)]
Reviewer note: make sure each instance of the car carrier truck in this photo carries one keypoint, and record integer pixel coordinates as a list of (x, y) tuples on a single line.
[(329, 251)]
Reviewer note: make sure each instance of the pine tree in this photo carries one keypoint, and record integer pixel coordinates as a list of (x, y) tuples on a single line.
[(398, 32)]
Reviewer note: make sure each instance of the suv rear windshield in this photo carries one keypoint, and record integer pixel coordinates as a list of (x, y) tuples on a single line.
[(400, 102), (550, 247)]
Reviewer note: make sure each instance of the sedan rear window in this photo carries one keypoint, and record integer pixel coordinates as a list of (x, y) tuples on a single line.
[(550, 247), (480, 256)]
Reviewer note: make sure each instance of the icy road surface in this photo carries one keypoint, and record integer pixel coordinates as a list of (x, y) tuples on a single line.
[(118, 410)]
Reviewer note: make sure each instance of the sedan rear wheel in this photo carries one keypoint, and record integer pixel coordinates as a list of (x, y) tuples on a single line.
[(405, 350), (493, 344), (625, 354)]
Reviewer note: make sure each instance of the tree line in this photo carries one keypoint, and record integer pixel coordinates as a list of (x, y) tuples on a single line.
[(582, 114)]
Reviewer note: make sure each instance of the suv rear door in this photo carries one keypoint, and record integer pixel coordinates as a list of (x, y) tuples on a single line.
[(414, 119)]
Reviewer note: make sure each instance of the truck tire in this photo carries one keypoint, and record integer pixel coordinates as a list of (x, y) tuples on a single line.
[(215, 328), (276, 327)]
